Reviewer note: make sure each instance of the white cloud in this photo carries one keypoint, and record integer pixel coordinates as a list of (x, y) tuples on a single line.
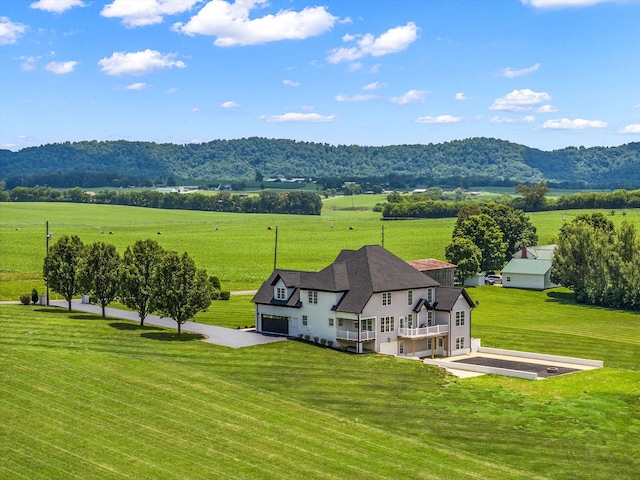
[(542, 4), (633, 129), (291, 83), (374, 86), (138, 63), (577, 124), (194, 110), (392, 41), (231, 24), (170, 90), (511, 73), (57, 6), (547, 109), (636, 107), (354, 67), (28, 63), (138, 13), (412, 96), (136, 86), (525, 119), (61, 67), (354, 98), (10, 32), (298, 117), (519, 100), (461, 96), (439, 119), (229, 104)]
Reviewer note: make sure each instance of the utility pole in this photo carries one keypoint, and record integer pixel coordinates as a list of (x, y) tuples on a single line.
[(49, 235), (382, 234), (275, 250)]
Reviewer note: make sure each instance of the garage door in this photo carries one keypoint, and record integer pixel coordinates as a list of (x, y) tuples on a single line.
[(275, 324)]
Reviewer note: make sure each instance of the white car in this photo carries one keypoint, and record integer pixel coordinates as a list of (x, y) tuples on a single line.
[(491, 279)]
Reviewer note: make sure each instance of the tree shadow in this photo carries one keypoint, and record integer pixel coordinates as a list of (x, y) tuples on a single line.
[(132, 326), (561, 297), (172, 337)]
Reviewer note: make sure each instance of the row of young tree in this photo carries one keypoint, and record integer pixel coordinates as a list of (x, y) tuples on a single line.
[(146, 278), (290, 202), (486, 235), (599, 263)]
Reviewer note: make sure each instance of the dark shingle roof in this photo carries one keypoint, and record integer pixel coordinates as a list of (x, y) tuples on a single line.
[(447, 297), (358, 273)]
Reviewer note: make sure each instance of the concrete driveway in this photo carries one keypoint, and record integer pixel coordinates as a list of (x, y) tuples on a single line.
[(226, 337)]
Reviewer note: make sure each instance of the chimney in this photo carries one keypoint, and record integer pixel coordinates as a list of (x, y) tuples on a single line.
[(524, 251)]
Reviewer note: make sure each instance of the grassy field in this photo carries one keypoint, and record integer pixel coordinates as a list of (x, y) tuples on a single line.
[(238, 248), (84, 397)]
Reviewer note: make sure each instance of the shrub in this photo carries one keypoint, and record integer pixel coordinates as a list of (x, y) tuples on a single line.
[(300, 335), (316, 339), (34, 296), (224, 295), (307, 337), (330, 343), (25, 298), (323, 341)]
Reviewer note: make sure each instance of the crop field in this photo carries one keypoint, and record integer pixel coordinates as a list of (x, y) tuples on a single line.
[(238, 248), (85, 397)]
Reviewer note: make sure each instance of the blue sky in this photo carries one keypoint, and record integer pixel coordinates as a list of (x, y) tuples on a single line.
[(544, 73)]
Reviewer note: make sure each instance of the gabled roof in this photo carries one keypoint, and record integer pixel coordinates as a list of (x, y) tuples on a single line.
[(359, 273), (539, 252), (527, 266), (290, 278), (448, 296), (428, 264)]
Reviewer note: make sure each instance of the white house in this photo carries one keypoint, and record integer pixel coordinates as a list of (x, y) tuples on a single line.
[(367, 300), (530, 268)]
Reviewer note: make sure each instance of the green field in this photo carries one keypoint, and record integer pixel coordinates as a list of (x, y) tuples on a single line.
[(84, 397), (238, 248)]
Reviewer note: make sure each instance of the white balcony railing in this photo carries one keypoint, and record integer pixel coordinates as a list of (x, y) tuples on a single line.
[(424, 331), (352, 335)]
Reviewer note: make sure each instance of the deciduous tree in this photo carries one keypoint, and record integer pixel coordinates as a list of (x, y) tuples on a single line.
[(100, 273), (466, 255), (136, 289), (61, 268), (182, 290)]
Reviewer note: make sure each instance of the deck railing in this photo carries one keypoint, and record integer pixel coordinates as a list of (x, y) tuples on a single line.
[(423, 331), (352, 335)]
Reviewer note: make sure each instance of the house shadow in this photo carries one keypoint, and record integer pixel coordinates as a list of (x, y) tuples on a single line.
[(172, 336), (132, 326)]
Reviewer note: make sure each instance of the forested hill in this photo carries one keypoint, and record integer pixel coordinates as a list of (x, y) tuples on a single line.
[(472, 159)]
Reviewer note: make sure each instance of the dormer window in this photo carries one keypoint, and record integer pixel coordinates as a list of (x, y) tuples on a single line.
[(281, 293), (430, 295)]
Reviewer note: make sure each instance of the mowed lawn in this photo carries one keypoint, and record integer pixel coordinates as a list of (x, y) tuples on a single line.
[(84, 397)]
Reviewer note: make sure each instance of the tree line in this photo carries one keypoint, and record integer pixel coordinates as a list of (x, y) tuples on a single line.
[(496, 162), (147, 278), (290, 202), (599, 263), (532, 199)]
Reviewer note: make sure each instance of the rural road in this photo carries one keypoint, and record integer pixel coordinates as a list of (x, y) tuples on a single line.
[(225, 337)]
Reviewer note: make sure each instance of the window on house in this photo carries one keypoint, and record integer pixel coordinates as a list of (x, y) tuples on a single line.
[(401, 348), (340, 322), (410, 297), (386, 298), (281, 293), (430, 295), (313, 296), (387, 324), (508, 279), (460, 318), (430, 320), (459, 343), (331, 322), (305, 321), (410, 320), (440, 342)]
